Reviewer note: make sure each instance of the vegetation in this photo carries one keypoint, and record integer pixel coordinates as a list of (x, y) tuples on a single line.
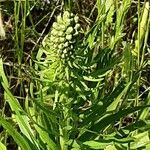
[(74, 75)]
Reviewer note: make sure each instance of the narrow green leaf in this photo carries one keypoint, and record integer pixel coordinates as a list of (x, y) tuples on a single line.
[(16, 136), (2, 146), (141, 139), (108, 120), (96, 144)]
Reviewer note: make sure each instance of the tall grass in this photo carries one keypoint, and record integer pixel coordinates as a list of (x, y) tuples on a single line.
[(96, 100)]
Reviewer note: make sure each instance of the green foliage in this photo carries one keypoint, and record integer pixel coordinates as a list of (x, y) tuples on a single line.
[(84, 86)]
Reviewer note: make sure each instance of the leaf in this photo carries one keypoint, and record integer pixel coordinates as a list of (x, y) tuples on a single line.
[(99, 126), (139, 124), (114, 117), (111, 10), (114, 104), (21, 118), (98, 111), (96, 144), (89, 78), (111, 147), (16, 136), (2, 74), (2, 146), (46, 139), (141, 139), (145, 113), (127, 59)]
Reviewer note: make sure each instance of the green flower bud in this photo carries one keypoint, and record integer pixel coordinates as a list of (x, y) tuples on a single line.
[(60, 33), (59, 51), (69, 30), (77, 26), (55, 46), (59, 19), (71, 47), (62, 27), (62, 39), (71, 14), (55, 25), (66, 15), (67, 22), (76, 19), (60, 46), (66, 55), (51, 44), (70, 53), (44, 43), (54, 32), (65, 51), (66, 44), (56, 40), (52, 38), (69, 37), (63, 56)]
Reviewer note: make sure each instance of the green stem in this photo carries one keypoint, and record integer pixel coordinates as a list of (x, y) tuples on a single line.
[(68, 4), (138, 53)]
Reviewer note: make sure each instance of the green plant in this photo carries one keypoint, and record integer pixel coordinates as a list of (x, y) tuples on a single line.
[(86, 94)]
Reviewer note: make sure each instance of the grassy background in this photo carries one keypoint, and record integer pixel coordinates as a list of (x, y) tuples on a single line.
[(100, 100)]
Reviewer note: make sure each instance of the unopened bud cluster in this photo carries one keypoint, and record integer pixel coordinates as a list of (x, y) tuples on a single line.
[(64, 35)]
